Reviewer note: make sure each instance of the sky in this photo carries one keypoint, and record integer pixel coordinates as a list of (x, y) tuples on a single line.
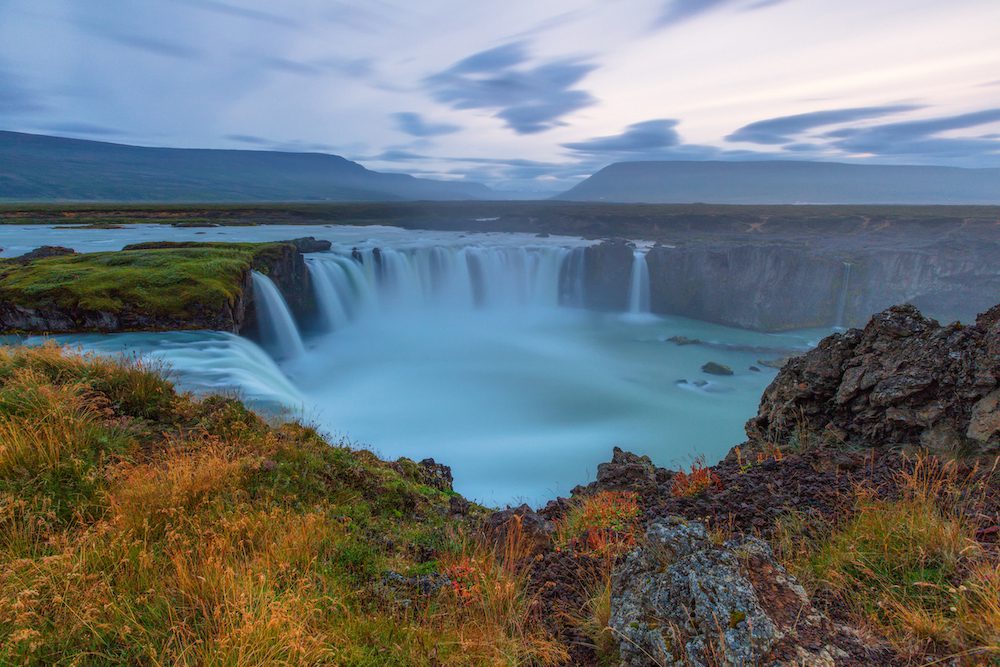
[(521, 95)]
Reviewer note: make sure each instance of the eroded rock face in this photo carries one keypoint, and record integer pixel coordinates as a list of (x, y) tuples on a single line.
[(902, 380), (310, 244), (607, 275), (683, 600)]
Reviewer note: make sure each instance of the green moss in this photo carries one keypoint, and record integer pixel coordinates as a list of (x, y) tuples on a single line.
[(171, 281)]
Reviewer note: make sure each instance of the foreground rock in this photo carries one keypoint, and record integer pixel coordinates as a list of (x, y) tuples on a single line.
[(683, 600), (903, 380)]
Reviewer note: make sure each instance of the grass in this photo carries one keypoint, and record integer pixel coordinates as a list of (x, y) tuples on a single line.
[(701, 478), (908, 567), (176, 282), (143, 526)]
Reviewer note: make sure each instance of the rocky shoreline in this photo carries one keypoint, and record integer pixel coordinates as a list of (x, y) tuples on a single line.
[(702, 585)]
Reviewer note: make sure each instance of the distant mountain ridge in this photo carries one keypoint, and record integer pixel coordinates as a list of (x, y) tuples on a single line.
[(44, 168), (786, 182)]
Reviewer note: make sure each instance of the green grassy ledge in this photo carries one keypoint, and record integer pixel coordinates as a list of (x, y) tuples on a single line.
[(162, 281)]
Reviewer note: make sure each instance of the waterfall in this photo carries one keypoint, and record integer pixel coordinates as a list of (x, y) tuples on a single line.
[(638, 294), (277, 326), (377, 282), (845, 282)]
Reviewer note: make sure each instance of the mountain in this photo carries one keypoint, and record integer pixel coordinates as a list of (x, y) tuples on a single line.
[(786, 182), (43, 168)]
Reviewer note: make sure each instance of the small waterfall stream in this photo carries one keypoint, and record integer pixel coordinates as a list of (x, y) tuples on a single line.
[(845, 283), (638, 294), (278, 330)]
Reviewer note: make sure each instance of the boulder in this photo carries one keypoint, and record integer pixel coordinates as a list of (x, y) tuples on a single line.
[(715, 368), (683, 600)]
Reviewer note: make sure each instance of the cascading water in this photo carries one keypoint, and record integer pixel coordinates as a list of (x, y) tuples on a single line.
[(387, 281), (638, 294), (278, 330), (845, 282)]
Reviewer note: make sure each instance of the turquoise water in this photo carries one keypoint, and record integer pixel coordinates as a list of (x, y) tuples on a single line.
[(522, 398)]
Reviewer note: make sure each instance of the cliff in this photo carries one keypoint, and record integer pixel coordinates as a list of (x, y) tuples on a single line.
[(771, 285), (149, 287)]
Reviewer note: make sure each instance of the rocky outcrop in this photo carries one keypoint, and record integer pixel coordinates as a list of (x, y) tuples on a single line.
[(683, 600), (44, 251), (902, 380), (607, 275), (533, 529)]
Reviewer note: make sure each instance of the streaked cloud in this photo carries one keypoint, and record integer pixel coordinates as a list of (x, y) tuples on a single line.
[(414, 124), (786, 129), (529, 96)]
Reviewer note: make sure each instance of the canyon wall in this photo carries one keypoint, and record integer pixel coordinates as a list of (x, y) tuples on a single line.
[(782, 286)]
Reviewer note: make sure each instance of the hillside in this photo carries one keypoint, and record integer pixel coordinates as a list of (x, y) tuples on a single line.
[(44, 168), (786, 182)]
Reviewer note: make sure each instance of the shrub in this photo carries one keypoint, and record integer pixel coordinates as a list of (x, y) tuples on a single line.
[(692, 483)]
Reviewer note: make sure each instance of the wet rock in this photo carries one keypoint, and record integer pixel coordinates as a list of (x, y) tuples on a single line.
[(310, 244), (715, 368), (684, 340), (358, 257), (755, 369), (683, 600), (43, 252), (904, 380), (535, 529)]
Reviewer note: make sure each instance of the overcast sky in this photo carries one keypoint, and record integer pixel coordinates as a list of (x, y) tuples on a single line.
[(519, 94)]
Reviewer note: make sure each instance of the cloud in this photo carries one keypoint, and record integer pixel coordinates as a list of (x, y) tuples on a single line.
[(15, 97), (637, 138), (785, 129), (229, 9), (679, 11), (154, 45), (922, 137), (291, 66), (528, 98), (414, 124)]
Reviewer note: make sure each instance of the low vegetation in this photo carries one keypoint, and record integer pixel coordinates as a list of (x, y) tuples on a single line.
[(909, 567), (143, 526), (172, 281)]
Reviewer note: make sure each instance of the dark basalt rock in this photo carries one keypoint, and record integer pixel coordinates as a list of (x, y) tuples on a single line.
[(625, 472), (428, 472), (536, 530), (715, 368), (43, 252), (310, 244), (902, 380), (607, 275)]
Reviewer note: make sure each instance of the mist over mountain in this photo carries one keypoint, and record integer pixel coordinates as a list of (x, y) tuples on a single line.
[(786, 182), (38, 167)]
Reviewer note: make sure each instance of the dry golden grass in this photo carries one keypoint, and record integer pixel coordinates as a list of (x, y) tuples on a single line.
[(910, 567), (138, 526)]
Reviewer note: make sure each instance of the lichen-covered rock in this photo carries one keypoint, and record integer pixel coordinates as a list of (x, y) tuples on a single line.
[(427, 471), (684, 600), (902, 380)]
